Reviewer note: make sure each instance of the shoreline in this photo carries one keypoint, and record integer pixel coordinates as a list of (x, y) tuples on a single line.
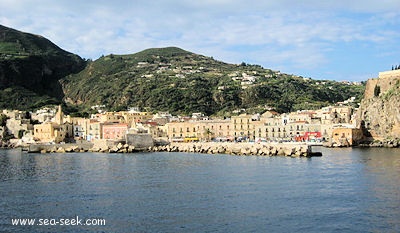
[(231, 148), (289, 149), (242, 149)]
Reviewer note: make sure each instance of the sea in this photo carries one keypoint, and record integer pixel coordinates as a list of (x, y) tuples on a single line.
[(345, 190)]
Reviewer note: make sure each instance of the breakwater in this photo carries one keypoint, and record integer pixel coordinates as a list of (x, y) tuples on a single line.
[(268, 149), (60, 148)]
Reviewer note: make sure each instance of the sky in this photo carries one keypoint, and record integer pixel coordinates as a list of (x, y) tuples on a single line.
[(322, 39)]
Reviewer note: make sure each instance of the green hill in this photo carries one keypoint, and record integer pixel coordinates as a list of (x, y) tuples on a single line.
[(35, 72), (30, 69), (175, 80)]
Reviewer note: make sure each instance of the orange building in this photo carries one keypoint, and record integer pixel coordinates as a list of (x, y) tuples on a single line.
[(346, 136), (115, 131)]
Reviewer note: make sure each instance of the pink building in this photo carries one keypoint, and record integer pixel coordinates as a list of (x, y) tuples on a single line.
[(115, 131)]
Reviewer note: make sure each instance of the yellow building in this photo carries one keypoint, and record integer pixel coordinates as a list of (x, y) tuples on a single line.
[(202, 130), (346, 136), (243, 126), (110, 117), (136, 117), (57, 131), (53, 132)]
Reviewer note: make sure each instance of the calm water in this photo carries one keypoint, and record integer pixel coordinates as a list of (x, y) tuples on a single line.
[(346, 190)]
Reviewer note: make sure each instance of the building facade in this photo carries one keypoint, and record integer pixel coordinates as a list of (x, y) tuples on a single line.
[(115, 131)]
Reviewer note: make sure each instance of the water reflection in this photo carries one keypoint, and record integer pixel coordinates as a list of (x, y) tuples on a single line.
[(346, 190)]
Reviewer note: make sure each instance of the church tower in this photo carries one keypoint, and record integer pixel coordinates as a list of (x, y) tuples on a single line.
[(59, 116)]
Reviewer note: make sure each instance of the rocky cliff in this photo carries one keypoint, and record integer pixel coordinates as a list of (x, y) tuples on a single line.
[(380, 109)]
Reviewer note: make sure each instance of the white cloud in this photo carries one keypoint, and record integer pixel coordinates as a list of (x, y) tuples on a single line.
[(278, 33)]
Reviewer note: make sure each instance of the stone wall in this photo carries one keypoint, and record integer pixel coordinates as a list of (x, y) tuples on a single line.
[(369, 88), (385, 82), (141, 140), (389, 74)]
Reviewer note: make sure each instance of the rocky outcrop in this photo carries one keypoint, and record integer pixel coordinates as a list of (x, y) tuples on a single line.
[(387, 143), (381, 117), (379, 113)]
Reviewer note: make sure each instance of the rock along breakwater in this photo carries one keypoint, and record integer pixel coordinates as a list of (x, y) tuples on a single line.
[(246, 149), (268, 149)]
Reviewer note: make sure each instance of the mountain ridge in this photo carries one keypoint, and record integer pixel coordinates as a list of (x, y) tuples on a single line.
[(30, 69), (195, 83), (34, 72)]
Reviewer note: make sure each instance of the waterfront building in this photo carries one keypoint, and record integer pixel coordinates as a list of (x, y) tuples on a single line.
[(272, 129), (243, 126), (203, 130), (53, 132), (81, 127), (115, 131), (95, 130), (346, 135), (56, 131)]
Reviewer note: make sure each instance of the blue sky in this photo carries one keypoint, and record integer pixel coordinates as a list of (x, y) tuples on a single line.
[(337, 40)]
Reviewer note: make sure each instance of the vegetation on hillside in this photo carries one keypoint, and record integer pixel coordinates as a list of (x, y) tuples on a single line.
[(30, 69), (34, 72), (172, 79)]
